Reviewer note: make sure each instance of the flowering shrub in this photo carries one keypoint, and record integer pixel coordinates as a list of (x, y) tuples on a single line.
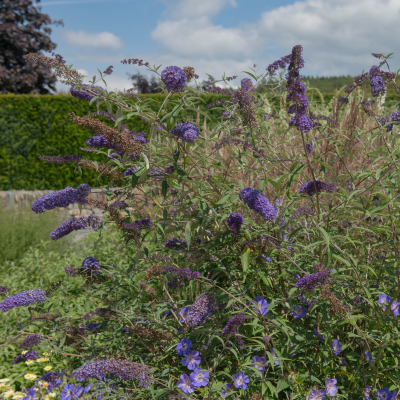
[(265, 261)]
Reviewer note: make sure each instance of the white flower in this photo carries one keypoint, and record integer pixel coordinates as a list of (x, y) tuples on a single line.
[(52, 394), (47, 367), (4, 380), (29, 362), (18, 396), (30, 377), (42, 359), (8, 394)]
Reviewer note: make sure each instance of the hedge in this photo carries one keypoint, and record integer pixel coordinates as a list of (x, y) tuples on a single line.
[(39, 124)]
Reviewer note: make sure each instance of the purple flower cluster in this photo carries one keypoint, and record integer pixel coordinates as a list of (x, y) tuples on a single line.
[(278, 64), (62, 198), (91, 264), (121, 369), (235, 222), (376, 81), (30, 355), (296, 92), (69, 159), (202, 306), (181, 273), (367, 392), (75, 224), (25, 298), (233, 325), (30, 341), (309, 188), (185, 131), (174, 78), (310, 281), (82, 93), (53, 378), (257, 202), (175, 244), (4, 290), (138, 225), (395, 116), (100, 141), (117, 205)]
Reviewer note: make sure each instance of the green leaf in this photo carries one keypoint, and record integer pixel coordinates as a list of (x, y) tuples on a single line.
[(188, 234), (282, 384), (245, 257), (134, 180), (176, 110), (146, 160), (164, 188)]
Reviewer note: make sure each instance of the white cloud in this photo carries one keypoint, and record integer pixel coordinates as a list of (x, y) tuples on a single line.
[(94, 40), (83, 71), (338, 36)]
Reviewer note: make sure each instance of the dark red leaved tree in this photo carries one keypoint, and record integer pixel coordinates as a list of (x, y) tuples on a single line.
[(23, 30)]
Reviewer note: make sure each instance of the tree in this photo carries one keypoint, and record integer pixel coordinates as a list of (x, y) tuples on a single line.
[(142, 85), (21, 33)]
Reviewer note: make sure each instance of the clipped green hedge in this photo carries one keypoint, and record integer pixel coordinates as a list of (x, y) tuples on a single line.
[(39, 124)]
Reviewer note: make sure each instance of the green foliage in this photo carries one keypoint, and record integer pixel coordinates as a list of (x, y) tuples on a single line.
[(23, 229), (33, 125), (345, 235)]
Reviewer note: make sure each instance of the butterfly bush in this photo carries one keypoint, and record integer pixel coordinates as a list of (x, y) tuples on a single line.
[(303, 303)]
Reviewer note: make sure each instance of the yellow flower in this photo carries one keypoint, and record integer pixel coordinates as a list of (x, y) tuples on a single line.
[(42, 359), (4, 380), (29, 362), (44, 384), (30, 377), (8, 394), (47, 367)]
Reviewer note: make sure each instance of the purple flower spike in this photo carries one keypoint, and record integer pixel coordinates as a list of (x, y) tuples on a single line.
[(257, 202), (62, 198), (83, 94), (75, 224), (309, 188), (261, 305), (199, 377), (331, 387), (202, 306), (174, 78), (317, 394), (25, 298), (191, 360), (235, 222), (90, 263), (184, 347), (241, 380), (30, 341), (309, 282), (30, 355), (336, 347), (384, 394), (186, 384), (367, 392), (299, 312), (175, 244), (228, 388)]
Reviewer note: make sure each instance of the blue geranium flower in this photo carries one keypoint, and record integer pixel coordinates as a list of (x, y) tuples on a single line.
[(336, 347), (261, 304), (184, 347)]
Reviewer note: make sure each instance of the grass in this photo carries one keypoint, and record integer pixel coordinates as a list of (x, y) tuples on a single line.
[(22, 229)]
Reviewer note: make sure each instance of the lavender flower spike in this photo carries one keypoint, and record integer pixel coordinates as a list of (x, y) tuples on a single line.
[(235, 222), (25, 298), (200, 308), (257, 202), (30, 341), (309, 188), (75, 224), (62, 198)]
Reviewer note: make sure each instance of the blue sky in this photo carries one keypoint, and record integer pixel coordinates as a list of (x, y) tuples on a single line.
[(217, 36)]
